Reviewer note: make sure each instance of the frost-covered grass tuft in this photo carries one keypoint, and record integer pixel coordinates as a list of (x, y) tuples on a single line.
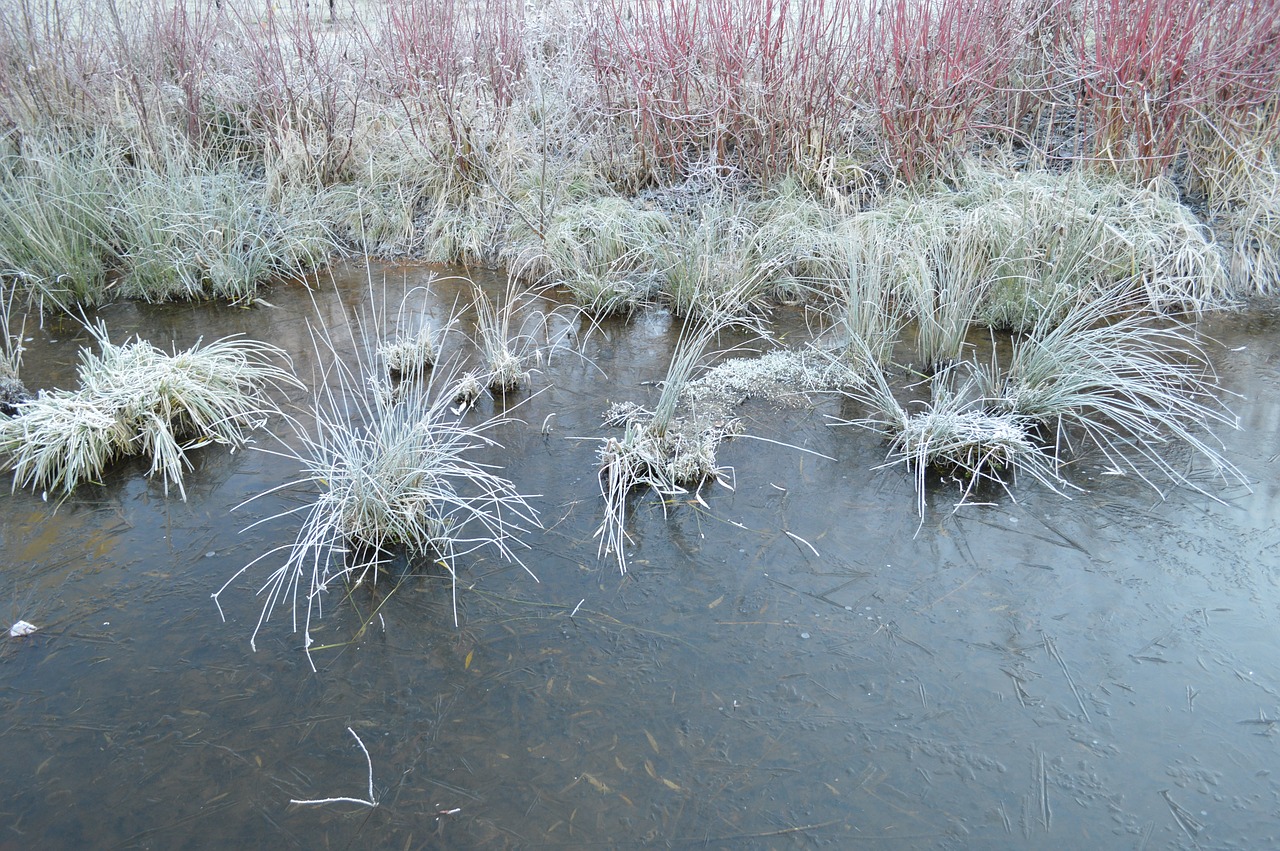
[(135, 399), (387, 473), (409, 357), (658, 449), (1112, 375)]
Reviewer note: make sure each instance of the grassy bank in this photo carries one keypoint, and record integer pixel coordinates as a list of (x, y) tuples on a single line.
[(601, 147)]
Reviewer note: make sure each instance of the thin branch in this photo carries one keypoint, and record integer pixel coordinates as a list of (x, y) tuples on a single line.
[(371, 802)]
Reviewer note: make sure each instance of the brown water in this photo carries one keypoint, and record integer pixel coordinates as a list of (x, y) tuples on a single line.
[(1099, 672)]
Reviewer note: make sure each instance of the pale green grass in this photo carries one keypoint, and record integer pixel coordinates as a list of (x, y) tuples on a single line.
[(710, 266), (1252, 234), (11, 346), (1023, 243), (447, 166), (948, 297), (504, 355), (1142, 236), (796, 238), (189, 232), (83, 221), (57, 238), (861, 285), (602, 250)]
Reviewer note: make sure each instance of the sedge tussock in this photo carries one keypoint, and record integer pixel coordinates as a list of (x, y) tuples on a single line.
[(1017, 242), (136, 399), (602, 250), (386, 473), (667, 461), (957, 433), (508, 337), (12, 394), (659, 450), (947, 300), (409, 356), (56, 233), (1113, 375), (1136, 384), (82, 221), (859, 286), (189, 230), (1140, 235), (1244, 212), (12, 391), (796, 238), (711, 267), (1252, 232)]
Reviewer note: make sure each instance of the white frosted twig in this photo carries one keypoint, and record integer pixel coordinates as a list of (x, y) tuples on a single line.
[(371, 802), (801, 540)]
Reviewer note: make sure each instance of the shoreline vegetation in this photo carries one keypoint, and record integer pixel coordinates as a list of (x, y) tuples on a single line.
[(1078, 179), (641, 151)]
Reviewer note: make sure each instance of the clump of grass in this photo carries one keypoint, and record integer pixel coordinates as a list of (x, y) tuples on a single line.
[(56, 232), (796, 239), (85, 220), (12, 391), (859, 284), (602, 250), (1004, 247), (1113, 374), (134, 399), (1040, 273), (1251, 232), (668, 461), (188, 229), (388, 473), (658, 449), (508, 337), (957, 432), (409, 357), (711, 268), (1136, 384), (1110, 233), (946, 298), (499, 349), (466, 390), (1243, 199)]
